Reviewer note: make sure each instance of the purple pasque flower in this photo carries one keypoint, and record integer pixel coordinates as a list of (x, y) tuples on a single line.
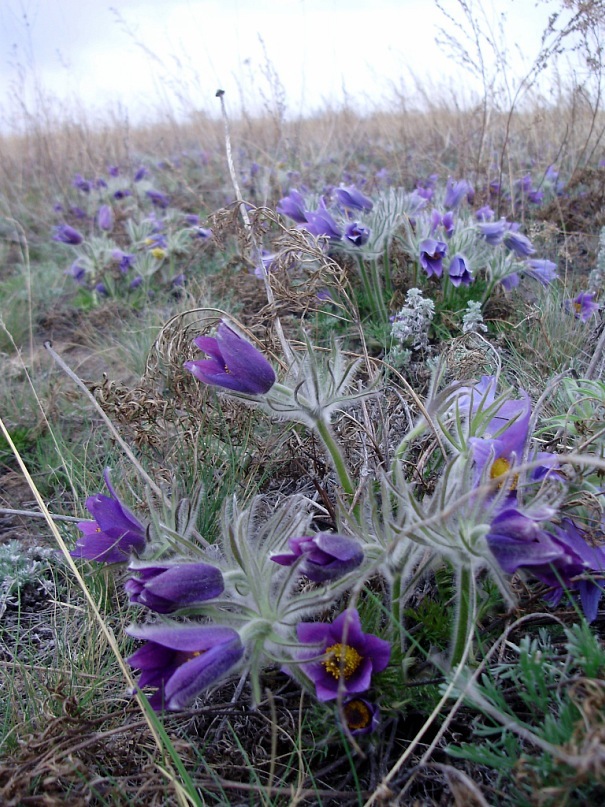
[(517, 242), (516, 539), (322, 557), (293, 206), (446, 221), (541, 270), (266, 263), (321, 222), (136, 282), (158, 198), (181, 661), (484, 213), (234, 363), (81, 184), (67, 235), (102, 289), (105, 218), (459, 271), (352, 199), (456, 191), (510, 281), (361, 716), (431, 256), (140, 174), (77, 272), (493, 231), (114, 533), (343, 658), (165, 588), (125, 260), (584, 305), (357, 234)]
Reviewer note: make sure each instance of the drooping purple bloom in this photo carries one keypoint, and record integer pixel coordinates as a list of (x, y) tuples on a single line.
[(484, 213), (432, 253), (67, 235), (78, 213), (541, 270), (77, 272), (353, 199), (510, 281), (322, 557), (348, 657), (234, 363), (493, 231), (456, 191), (357, 233), (101, 289), (158, 198), (114, 533), (140, 173), (81, 184), (204, 233), (361, 716), (181, 661), (105, 218), (516, 539), (518, 243), (293, 206), (321, 222), (459, 271), (165, 588), (125, 260), (584, 305)]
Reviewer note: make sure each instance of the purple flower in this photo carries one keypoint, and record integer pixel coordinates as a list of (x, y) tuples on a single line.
[(293, 206), (361, 716), (484, 213), (352, 199), (541, 270), (493, 231), (510, 281), (78, 213), (348, 657), (67, 235), (518, 243), (105, 218), (431, 256), (584, 305), (81, 184), (357, 234), (101, 289), (140, 174), (114, 533), (125, 260), (113, 170), (234, 363), (459, 272), (122, 193), (158, 198), (165, 588), (456, 191), (266, 264), (202, 232), (181, 661), (77, 272), (322, 557), (136, 282), (320, 222)]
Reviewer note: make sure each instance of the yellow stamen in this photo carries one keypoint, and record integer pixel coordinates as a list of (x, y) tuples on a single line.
[(578, 307), (342, 659), (158, 253), (357, 715), (500, 467)]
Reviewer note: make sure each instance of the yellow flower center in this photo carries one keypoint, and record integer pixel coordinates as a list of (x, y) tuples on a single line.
[(500, 467), (578, 307), (357, 715), (341, 659), (158, 253)]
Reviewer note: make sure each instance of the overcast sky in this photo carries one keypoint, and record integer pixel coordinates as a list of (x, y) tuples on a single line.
[(138, 53)]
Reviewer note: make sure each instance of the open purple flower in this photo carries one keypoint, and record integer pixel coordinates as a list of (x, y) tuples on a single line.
[(293, 206), (357, 234), (459, 272), (361, 716), (322, 557), (343, 658), (352, 199), (181, 661), (431, 256), (165, 588), (67, 235), (114, 533), (234, 363), (584, 305)]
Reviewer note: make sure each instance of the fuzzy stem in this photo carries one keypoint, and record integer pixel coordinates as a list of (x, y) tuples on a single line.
[(465, 614)]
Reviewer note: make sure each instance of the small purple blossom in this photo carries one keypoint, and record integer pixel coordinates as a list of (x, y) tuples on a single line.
[(518, 243), (140, 174), (158, 198), (584, 305), (459, 271), (234, 363), (541, 270), (114, 533), (493, 231), (352, 199), (122, 193), (357, 233), (105, 218), (164, 588), (361, 716), (125, 260), (77, 272), (484, 213), (67, 235), (181, 661), (321, 222), (347, 656), (432, 253), (293, 206), (82, 184), (322, 557), (455, 192)]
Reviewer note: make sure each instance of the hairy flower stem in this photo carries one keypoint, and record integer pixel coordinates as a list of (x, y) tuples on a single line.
[(325, 433), (465, 614)]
